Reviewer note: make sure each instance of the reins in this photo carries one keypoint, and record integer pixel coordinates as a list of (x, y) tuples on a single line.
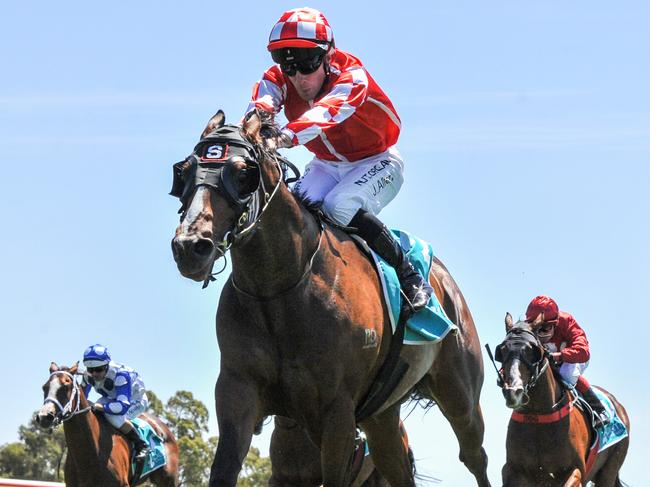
[(67, 412), (302, 278), (238, 233)]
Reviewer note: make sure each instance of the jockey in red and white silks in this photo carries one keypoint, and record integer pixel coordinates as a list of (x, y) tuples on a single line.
[(351, 127), (339, 113)]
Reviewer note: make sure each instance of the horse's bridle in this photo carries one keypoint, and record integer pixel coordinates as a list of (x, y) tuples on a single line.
[(67, 412), (211, 165), (536, 368)]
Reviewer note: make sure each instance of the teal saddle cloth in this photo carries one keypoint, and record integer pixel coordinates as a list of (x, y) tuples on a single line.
[(430, 324), (157, 456), (615, 430)]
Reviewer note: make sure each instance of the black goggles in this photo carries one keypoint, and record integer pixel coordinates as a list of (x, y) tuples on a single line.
[(101, 368), (292, 60)]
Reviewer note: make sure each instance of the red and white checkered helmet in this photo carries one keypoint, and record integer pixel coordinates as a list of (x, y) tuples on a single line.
[(301, 27)]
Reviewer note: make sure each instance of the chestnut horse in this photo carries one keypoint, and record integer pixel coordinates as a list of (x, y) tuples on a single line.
[(296, 460), (302, 326), (548, 439), (98, 454)]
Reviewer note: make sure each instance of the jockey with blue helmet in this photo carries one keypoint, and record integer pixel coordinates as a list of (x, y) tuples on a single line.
[(122, 392)]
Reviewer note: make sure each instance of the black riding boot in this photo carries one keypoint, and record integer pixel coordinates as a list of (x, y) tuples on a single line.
[(601, 417), (381, 240), (141, 448)]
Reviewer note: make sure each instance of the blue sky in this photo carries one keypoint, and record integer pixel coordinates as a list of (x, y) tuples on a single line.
[(526, 138)]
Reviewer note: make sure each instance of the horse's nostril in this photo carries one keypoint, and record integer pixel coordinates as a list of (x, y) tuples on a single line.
[(203, 247)]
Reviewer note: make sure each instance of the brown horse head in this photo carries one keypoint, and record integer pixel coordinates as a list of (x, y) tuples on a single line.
[(523, 358), (62, 396), (221, 191)]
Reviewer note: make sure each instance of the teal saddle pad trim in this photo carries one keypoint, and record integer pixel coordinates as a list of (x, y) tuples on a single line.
[(157, 456), (615, 430), (430, 324)]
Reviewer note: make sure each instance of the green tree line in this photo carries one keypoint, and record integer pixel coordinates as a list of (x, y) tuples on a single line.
[(39, 454)]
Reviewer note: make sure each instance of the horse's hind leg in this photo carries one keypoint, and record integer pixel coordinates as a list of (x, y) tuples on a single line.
[(389, 451), (607, 476)]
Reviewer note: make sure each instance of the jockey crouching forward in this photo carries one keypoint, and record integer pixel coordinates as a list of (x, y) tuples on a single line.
[(567, 343), (122, 390), (340, 114)]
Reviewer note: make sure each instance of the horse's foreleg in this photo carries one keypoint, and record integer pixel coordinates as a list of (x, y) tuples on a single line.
[(455, 383), (238, 410), (337, 445), (388, 447)]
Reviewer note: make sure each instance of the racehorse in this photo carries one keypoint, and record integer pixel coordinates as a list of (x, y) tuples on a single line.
[(301, 324), (549, 439), (296, 460), (98, 454)]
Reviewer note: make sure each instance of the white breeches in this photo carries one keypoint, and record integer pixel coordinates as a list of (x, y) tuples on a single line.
[(345, 187)]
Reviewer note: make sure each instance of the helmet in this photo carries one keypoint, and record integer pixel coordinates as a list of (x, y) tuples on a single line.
[(542, 304), (96, 356), (301, 27)]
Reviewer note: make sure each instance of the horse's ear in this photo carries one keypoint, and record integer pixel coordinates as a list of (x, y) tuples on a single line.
[(73, 369), (217, 121), (508, 321), (538, 320), (53, 367), (252, 126)]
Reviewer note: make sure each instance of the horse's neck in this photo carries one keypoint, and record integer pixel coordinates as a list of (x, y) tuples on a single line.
[(545, 394), (277, 254), (82, 437)]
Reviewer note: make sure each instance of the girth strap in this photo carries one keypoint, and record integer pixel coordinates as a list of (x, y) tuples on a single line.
[(389, 376)]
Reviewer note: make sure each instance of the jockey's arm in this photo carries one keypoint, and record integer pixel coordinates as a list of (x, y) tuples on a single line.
[(577, 349), (122, 401), (348, 93)]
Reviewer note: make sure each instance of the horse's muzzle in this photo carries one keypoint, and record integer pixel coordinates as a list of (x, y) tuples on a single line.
[(193, 255), (45, 420), (515, 397)]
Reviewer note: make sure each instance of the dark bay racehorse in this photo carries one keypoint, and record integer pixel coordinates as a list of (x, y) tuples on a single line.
[(548, 437), (296, 460), (98, 454), (301, 323)]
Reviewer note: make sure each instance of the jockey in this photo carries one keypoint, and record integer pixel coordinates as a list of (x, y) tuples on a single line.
[(340, 114), (122, 390), (567, 343)]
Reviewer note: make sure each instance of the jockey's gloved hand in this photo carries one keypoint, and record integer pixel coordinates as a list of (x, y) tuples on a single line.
[(98, 407), (557, 357)]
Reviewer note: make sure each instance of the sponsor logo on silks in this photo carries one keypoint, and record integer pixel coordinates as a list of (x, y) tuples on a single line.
[(217, 152), (373, 171)]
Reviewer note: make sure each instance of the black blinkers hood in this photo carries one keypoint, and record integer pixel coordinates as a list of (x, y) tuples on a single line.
[(210, 164)]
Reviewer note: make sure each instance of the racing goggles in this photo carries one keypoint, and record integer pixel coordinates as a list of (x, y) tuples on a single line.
[(303, 60)]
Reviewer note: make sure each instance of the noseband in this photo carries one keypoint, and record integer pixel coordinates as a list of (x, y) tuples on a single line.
[(66, 412), (536, 369)]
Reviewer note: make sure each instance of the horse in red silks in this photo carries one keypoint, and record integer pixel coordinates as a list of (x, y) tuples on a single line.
[(302, 325), (550, 440), (98, 454)]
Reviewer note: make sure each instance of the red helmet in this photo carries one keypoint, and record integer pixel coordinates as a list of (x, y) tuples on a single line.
[(542, 304), (301, 27)]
